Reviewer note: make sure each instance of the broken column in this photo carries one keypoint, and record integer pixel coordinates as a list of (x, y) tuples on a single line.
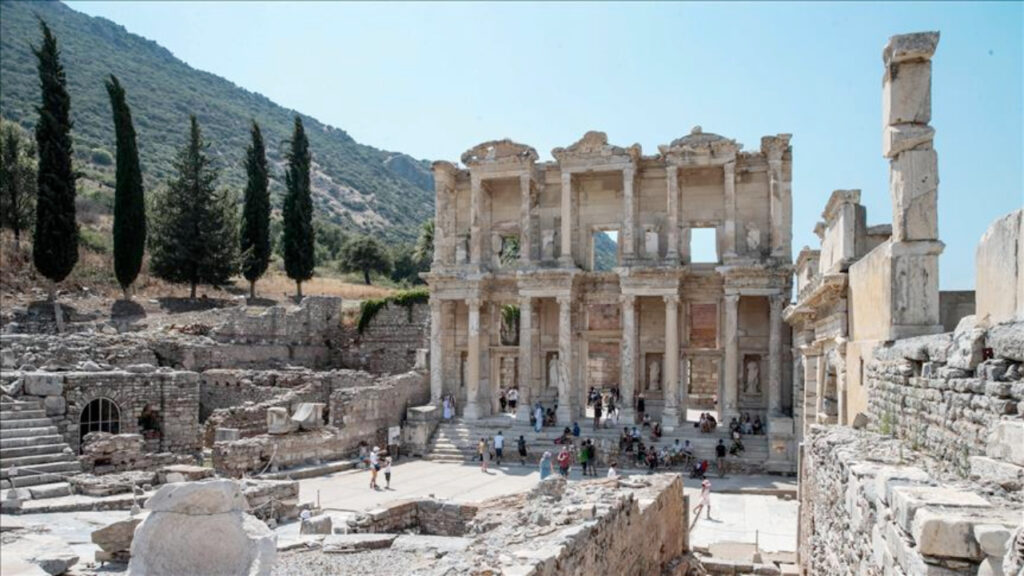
[(913, 183)]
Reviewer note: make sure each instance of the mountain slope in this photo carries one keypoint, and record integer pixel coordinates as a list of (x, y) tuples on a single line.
[(356, 186)]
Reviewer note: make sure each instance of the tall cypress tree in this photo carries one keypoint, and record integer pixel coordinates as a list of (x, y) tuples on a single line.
[(299, 249), (55, 243), (194, 236), (129, 202), (255, 233)]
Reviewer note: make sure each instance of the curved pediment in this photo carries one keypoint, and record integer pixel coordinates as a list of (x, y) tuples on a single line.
[(701, 143), (499, 151), (594, 144)]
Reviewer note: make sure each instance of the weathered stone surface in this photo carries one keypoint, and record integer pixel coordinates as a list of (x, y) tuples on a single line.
[(1006, 442), (321, 524), (309, 415), (991, 471), (908, 500), (198, 498), (117, 537), (42, 384), (946, 534), (902, 137), (910, 47), (55, 405), (999, 267), (993, 539), (227, 435), (51, 554), (914, 180), (347, 543), (968, 341)]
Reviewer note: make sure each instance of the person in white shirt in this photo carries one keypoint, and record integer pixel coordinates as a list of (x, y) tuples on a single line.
[(387, 473), (374, 467), (499, 445), (612, 473), (513, 399)]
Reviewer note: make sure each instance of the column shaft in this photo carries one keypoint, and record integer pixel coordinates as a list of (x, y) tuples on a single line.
[(672, 204), (731, 380), (627, 357), (475, 242), (819, 389), (775, 356), (525, 358), (565, 372), (729, 169), (566, 257), (628, 214), (472, 409), (670, 415), (436, 351), (525, 220)]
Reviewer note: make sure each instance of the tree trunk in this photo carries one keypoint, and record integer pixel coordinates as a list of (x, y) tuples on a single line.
[(252, 290), (366, 277), (127, 291), (192, 294), (17, 240), (58, 314), (298, 291)]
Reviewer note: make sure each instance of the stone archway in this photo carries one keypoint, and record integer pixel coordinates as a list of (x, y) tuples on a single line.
[(99, 415)]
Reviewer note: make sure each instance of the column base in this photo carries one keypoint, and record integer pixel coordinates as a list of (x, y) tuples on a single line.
[(523, 412), (471, 411), (627, 417), (669, 419), (563, 416)]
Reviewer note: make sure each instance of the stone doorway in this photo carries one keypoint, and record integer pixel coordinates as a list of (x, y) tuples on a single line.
[(99, 415)]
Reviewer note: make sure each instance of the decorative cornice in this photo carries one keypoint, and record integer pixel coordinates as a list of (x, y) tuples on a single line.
[(503, 151), (594, 145)]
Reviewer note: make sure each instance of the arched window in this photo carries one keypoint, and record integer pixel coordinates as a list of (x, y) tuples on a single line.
[(100, 415)]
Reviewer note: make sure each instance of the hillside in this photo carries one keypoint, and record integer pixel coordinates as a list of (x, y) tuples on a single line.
[(356, 186)]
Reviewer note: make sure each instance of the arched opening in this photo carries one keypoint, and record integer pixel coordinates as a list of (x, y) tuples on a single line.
[(100, 415)]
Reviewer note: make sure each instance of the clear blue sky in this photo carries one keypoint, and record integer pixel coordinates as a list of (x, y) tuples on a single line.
[(432, 80)]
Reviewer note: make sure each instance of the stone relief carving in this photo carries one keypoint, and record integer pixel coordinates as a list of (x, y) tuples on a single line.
[(549, 239), (553, 369), (753, 237), (462, 249), (752, 377), (654, 376)]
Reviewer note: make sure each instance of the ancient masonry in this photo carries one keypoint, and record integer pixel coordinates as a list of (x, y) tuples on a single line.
[(523, 294), (927, 475)]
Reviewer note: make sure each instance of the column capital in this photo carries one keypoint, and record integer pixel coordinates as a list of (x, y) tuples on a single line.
[(776, 301), (563, 299), (629, 171), (627, 299), (731, 298), (474, 302), (435, 303), (525, 301), (671, 299), (730, 167)]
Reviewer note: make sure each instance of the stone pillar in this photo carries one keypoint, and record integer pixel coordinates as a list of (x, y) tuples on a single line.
[(729, 169), (564, 414), (628, 214), (775, 202), (780, 200), (472, 408), (811, 355), (672, 237), (475, 200), (566, 258), (525, 220), (627, 357), (775, 355), (731, 378), (436, 350), (670, 414), (444, 217), (821, 373), (525, 358)]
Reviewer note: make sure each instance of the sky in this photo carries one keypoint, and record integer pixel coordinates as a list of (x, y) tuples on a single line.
[(433, 80)]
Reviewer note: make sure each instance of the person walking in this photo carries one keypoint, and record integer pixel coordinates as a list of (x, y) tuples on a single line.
[(499, 447), (538, 413), (720, 457), (564, 461), (513, 399), (521, 446), (447, 403), (597, 412), (503, 401), (641, 406), (387, 473), (374, 467), (481, 447), (592, 456), (705, 502), (485, 455), (582, 456), (547, 468)]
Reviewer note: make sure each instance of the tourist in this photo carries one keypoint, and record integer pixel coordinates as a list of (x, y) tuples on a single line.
[(612, 472), (521, 446), (485, 456), (747, 427), (656, 431), (652, 460), (687, 451), (538, 415), (387, 473), (549, 417), (591, 456), (737, 444), (499, 447), (374, 467), (576, 429), (704, 502), (720, 457), (513, 399), (613, 411), (645, 422), (641, 405), (564, 462), (481, 446), (503, 401), (758, 426), (597, 412), (700, 469), (712, 423), (625, 441), (547, 468), (636, 433), (447, 404), (734, 424), (582, 456)]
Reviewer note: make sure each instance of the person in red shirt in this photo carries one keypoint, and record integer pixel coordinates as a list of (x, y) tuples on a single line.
[(564, 461)]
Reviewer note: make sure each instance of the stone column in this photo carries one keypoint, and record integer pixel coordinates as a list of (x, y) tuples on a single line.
[(564, 414), (731, 379), (566, 258), (525, 358), (729, 169), (627, 357), (775, 202), (672, 237), (525, 220), (436, 350), (819, 387), (811, 355), (444, 187), (472, 408), (475, 199), (670, 414), (628, 214), (775, 355)]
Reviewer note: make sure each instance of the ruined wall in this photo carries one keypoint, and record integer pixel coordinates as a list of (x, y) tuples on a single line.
[(364, 414), (1000, 269), (428, 516), (389, 344), (271, 452), (954, 305)]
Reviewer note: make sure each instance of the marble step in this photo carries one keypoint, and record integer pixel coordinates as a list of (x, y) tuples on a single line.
[(28, 432), (24, 441), (55, 448), (66, 467), (20, 423), (36, 459), (29, 413)]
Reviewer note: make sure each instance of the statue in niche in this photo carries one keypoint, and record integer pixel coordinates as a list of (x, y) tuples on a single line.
[(462, 250), (654, 376), (753, 238), (752, 383), (508, 373), (496, 247), (553, 370)]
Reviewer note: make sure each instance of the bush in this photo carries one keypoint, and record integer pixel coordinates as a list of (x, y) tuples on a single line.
[(94, 240), (101, 157)]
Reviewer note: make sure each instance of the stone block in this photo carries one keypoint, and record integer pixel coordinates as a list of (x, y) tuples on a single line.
[(907, 500), (117, 537), (914, 184), (320, 524), (999, 270), (1006, 442), (41, 384), (966, 347), (198, 498), (910, 47), (990, 471), (888, 478), (49, 553), (227, 434), (347, 543), (278, 422), (55, 405), (907, 93), (944, 533), (903, 137), (309, 416)]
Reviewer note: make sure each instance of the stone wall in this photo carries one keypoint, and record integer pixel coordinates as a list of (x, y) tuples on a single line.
[(871, 506), (389, 343), (272, 452), (428, 516), (364, 414), (1000, 269)]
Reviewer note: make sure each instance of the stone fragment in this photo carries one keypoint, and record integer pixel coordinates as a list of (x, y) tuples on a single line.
[(902, 137), (50, 553), (117, 537), (140, 368), (1006, 442), (346, 543), (43, 384), (309, 416), (968, 341), (914, 181), (227, 435), (993, 538), (907, 500), (320, 524), (991, 471), (198, 498), (278, 422), (909, 47), (187, 473), (55, 405), (949, 534)]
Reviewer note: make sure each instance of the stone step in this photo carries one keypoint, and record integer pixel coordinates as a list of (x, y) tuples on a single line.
[(19, 405), (38, 480), (17, 424), (70, 467), (36, 459), (55, 490), (24, 441), (55, 448), (9, 415), (28, 432)]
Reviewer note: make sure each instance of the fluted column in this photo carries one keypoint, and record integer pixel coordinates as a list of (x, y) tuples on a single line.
[(525, 358), (565, 404), (627, 357), (475, 201), (525, 221), (670, 414), (628, 214), (729, 169), (472, 409), (436, 350), (672, 205), (566, 258), (731, 380), (775, 355)]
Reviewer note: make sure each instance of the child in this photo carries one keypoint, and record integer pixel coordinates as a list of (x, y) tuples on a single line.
[(387, 473)]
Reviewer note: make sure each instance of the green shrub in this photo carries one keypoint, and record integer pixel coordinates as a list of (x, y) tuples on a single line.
[(101, 157)]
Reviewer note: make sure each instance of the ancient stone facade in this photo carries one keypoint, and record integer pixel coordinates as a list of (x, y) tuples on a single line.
[(520, 298)]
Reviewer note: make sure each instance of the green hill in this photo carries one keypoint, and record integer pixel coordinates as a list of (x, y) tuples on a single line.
[(356, 186)]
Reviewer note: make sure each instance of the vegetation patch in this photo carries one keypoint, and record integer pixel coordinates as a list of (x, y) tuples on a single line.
[(405, 298)]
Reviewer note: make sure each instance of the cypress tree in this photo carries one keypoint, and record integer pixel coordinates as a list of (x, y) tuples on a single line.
[(299, 249), (55, 243), (129, 201), (194, 236), (255, 233)]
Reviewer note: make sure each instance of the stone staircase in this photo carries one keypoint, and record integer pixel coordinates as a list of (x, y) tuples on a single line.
[(31, 444), (456, 441)]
